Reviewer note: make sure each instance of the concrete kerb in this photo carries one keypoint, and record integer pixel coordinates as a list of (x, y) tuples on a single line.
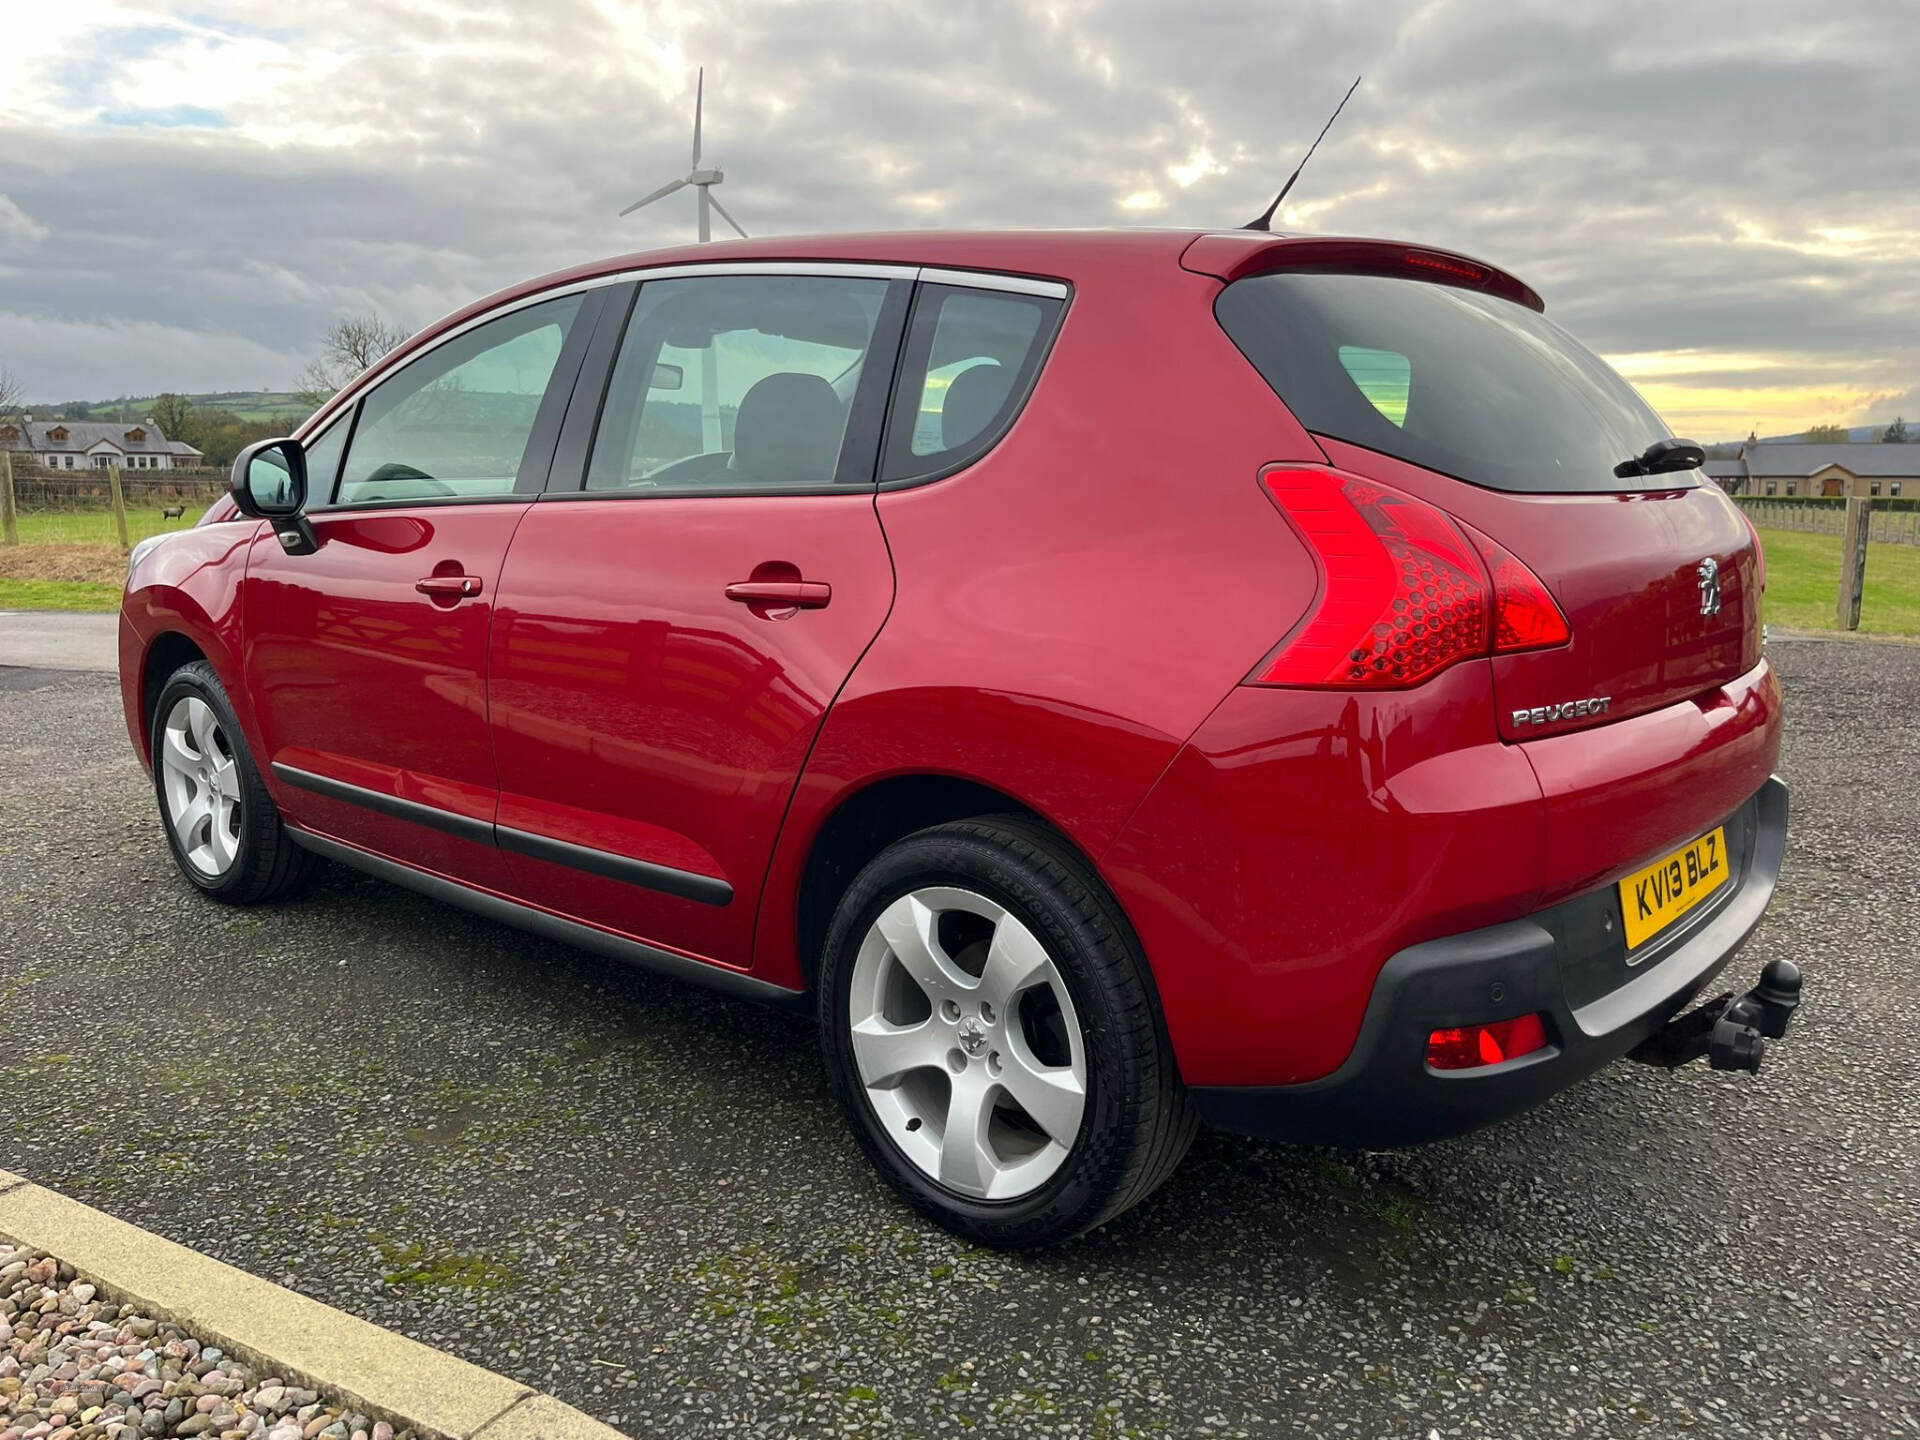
[(278, 1332)]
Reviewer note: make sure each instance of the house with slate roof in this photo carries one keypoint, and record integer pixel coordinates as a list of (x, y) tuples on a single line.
[(1774, 467), (95, 444)]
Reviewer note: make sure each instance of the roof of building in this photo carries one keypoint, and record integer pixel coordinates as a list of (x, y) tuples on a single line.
[(84, 435), (1725, 469), (1796, 462)]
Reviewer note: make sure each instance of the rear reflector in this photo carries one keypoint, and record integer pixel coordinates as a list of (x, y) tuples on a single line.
[(1407, 593), (1468, 1047)]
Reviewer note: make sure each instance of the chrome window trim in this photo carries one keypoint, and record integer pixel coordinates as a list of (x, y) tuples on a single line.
[(988, 280), (852, 269)]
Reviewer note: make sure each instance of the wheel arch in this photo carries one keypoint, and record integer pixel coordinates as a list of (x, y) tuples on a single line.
[(866, 820), (166, 652)]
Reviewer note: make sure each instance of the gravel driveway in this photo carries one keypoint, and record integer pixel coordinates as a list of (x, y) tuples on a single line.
[(639, 1196)]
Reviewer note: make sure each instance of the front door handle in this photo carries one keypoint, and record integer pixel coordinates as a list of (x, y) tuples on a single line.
[(449, 587), (781, 594)]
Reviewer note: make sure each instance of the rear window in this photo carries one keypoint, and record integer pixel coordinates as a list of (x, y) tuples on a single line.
[(1470, 385)]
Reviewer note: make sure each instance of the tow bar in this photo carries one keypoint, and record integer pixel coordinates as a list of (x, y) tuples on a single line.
[(1730, 1030)]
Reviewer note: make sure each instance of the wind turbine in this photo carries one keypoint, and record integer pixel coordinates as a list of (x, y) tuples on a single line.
[(701, 180)]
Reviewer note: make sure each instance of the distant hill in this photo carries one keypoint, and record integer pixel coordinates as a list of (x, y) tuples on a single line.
[(253, 406)]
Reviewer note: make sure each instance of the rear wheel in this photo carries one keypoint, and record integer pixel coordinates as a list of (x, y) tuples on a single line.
[(990, 1028), (223, 827)]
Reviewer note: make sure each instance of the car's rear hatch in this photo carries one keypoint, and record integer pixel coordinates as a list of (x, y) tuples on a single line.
[(1478, 404)]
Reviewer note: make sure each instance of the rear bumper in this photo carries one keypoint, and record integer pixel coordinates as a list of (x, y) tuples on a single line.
[(1567, 962)]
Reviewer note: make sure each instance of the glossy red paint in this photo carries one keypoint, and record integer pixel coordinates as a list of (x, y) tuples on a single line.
[(355, 675), (639, 710), (1067, 622)]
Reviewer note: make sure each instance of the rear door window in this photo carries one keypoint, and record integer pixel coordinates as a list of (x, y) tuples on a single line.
[(741, 383), (970, 360), (1467, 384)]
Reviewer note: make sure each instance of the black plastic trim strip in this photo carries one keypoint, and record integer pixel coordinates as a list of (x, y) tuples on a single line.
[(465, 827), (684, 883), (555, 927)]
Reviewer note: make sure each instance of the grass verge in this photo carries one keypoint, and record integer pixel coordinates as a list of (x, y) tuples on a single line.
[(57, 595), (1803, 583)]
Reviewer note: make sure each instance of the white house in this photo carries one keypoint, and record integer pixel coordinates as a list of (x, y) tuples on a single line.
[(95, 444)]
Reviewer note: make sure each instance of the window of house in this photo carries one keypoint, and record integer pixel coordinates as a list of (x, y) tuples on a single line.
[(1771, 487), (1790, 487), (455, 423), (1894, 488), (736, 381), (971, 357), (1873, 487)]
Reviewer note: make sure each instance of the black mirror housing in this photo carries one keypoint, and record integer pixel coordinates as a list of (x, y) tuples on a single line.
[(269, 482)]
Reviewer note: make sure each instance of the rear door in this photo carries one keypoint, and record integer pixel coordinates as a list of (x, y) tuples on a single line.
[(366, 659), (678, 611), (1489, 410)]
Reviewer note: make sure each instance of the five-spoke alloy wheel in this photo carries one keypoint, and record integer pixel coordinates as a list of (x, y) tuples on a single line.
[(200, 784), (991, 1030), (223, 827)]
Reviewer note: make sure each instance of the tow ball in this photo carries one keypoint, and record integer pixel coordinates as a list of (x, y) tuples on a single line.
[(1730, 1030)]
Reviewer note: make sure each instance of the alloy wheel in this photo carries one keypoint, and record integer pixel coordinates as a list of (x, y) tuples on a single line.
[(967, 1043), (201, 782)]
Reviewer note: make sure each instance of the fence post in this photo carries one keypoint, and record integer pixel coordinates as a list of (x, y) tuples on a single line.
[(1853, 561), (119, 507), (9, 519)]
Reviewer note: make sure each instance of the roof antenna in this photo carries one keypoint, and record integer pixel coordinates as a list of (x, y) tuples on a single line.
[(1266, 215)]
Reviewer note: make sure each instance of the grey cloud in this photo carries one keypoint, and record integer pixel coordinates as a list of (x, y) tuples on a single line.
[(1605, 153)]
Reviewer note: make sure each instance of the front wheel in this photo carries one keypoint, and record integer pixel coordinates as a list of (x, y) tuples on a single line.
[(223, 827), (990, 1028)]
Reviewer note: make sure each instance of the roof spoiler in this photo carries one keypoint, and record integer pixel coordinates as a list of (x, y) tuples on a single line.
[(1235, 254)]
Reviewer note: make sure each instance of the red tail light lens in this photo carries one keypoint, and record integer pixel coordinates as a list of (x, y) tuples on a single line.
[(1468, 1047), (1525, 614), (1405, 594)]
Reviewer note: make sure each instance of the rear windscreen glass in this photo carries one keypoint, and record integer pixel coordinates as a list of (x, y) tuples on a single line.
[(1467, 384)]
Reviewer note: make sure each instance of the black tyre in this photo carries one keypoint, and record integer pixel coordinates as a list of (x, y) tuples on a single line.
[(990, 1027), (221, 824)]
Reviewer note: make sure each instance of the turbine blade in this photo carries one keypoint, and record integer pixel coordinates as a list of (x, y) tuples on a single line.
[(723, 213), (699, 94), (664, 190)]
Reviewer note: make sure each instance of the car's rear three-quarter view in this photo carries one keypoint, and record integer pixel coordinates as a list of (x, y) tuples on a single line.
[(1113, 680)]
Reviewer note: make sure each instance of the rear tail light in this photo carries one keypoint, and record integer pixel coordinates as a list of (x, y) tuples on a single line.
[(1525, 614), (1407, 593), (1467, 1047)]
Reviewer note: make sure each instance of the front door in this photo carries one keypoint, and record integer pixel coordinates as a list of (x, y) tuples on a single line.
[(671, 629), (366, 659)]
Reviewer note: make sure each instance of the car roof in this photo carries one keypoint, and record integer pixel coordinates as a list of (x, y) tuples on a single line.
[(1074, 256)]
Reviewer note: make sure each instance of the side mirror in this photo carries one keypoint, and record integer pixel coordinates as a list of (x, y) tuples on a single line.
[(269, 482)]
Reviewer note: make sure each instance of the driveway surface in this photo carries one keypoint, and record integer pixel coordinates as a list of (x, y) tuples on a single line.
[(59, 640), (640, 1197)]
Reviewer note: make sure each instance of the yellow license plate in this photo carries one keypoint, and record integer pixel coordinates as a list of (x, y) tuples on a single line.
[(1653, 898)]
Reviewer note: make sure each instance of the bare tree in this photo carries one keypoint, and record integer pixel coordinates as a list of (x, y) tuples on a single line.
[(10, 393), (354, 343)]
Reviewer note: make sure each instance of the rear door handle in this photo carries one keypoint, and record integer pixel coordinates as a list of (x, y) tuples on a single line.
[(800, 594), (449, 587)]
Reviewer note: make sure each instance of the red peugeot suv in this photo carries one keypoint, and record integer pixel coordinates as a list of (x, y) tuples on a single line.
[(1115, 679)]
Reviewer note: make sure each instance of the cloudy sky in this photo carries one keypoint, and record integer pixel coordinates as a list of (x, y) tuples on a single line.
[(1723, 199)]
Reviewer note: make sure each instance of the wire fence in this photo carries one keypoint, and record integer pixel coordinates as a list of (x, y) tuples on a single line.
[(1893, 523), (77, 508)]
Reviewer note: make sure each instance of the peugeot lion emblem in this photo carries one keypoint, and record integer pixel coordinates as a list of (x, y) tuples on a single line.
[(1709, 586)]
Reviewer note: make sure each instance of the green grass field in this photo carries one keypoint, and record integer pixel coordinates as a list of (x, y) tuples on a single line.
[(57, 595), (240, 404), (1803, 584), (95, 527)]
